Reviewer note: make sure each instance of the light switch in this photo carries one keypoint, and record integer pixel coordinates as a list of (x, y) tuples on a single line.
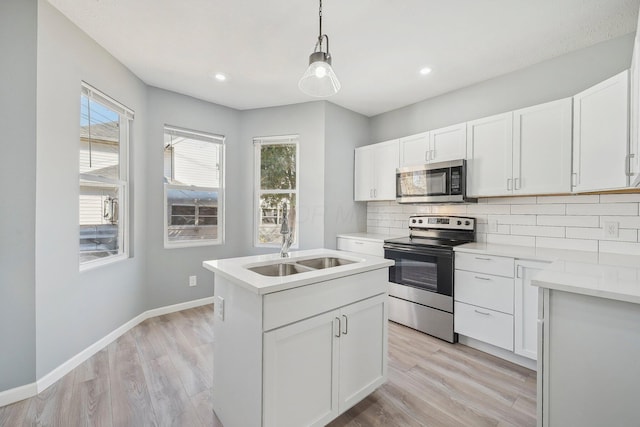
[(219, 308)]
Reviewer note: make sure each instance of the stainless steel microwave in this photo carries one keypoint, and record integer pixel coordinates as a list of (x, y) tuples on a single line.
[(443, 182)]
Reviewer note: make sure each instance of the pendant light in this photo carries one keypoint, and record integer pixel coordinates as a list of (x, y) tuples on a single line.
[(319, 80)]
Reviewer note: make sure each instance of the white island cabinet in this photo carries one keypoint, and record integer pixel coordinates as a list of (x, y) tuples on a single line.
[(299, 349), (589, 343)]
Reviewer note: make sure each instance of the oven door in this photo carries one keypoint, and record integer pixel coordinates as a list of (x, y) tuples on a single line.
[(422, 268)]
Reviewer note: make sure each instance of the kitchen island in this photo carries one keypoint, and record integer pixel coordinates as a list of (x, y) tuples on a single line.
[(298, 340)]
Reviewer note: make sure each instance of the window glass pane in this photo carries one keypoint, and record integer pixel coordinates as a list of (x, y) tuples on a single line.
[(278, 167), (99, 212), (192, 214), (191, 161), (99, 139), (271, 214)]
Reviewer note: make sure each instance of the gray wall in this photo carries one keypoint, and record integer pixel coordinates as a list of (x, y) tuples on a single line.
[(306, 120), (554, 79), (344, 131), (18, 21), (168, 270), (75, 309)]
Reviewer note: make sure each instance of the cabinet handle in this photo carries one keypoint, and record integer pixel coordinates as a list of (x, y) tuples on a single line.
[(627, 164), (482, 278), (574, 179), (433, 154), (483, 258), (346, 325), (516, 183), (426, 156), (358, 243), (339, 326), (519, 272), (509, 184), (482, 312), (375, 193)]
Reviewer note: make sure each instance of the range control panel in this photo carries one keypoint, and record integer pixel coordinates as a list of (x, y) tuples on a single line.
[(425, 222)]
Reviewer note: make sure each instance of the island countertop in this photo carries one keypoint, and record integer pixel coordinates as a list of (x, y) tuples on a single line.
[(236, 269)]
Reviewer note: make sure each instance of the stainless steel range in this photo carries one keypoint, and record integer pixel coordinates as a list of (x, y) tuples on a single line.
[(421, 281)]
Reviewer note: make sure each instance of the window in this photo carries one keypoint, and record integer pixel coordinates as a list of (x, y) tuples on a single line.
[(104, 141), (193, 174), (276, 160)]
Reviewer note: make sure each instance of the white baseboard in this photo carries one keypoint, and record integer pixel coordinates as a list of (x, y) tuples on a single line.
[(17, 394), (498, 352), (29, 390)]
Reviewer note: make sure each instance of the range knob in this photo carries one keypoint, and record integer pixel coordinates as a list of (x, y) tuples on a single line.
[(419, 221), (467, 222), (413, 221), (459, 222)]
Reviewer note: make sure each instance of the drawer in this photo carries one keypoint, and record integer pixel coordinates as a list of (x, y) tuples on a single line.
[(484, 290), (484, 325), (361, 246), (488, 264)]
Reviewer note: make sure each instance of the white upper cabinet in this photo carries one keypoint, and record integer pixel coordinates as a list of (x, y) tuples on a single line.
[(489, 155), (414, 149), (375, 171), (448, 143), (542, 148), (633, 166), (439, 145), (600, 135)]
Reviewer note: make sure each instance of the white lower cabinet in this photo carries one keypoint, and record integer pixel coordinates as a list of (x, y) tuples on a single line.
[(483, 324), (362, 246), (526, 309), (317, 368)]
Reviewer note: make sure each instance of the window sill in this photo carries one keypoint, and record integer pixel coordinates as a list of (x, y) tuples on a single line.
[(193, 244), (90, 265)]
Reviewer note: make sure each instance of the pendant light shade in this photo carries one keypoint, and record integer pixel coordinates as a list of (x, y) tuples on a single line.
[(320, 80)]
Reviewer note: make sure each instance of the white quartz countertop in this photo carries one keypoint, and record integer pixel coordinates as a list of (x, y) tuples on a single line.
[(235, 269), (374, 237), (605, 275)]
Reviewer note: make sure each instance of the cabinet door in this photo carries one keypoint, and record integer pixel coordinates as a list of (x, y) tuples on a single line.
[(634, 146), (542, 148), (300, 375), (363, 174), (386, 163), (525, 317), (489, 156), (363, 349), (414, 149), (600, 131), (448, 143)]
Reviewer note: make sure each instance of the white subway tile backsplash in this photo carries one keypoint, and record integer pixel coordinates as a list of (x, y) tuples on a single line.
[(508, 239), (560, 222), (537, 230), (620, 198), (488, 209), (603, 209), (568, 244), (514, 219), (569, 220), (550, 209), (625, 248), (623, 221), (598, 234), (578, 198)]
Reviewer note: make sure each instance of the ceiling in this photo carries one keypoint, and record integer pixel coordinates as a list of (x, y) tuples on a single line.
[(378, 46)]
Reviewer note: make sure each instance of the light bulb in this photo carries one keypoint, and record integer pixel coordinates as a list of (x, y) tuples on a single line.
[(321, 72)]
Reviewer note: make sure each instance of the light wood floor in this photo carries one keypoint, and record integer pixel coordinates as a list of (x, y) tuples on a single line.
[(160, 374)]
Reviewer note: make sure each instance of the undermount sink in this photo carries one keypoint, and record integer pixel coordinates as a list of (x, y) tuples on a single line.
[(279, 269), (325, 262)]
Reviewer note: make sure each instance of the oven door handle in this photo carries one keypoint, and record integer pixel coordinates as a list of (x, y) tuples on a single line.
[(419, 251)]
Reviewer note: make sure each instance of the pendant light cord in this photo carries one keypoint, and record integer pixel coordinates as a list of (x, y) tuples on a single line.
[(320, 17)]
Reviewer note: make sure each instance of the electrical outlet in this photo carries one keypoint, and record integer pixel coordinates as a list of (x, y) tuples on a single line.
[(193, 280), (611, 229), (219, 308)]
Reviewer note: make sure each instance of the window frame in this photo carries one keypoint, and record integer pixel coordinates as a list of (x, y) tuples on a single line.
[(125, 120), (258, 142), (220, 240)]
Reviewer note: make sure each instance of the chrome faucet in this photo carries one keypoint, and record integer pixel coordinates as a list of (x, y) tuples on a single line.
[(287, 235)]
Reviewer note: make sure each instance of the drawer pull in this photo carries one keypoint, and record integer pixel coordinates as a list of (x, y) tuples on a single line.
[(482, 278), (358, 243), (482, 312), (483, 258)]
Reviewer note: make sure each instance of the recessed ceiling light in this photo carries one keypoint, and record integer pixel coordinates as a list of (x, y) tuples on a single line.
[(221, 77), (424, 71)]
